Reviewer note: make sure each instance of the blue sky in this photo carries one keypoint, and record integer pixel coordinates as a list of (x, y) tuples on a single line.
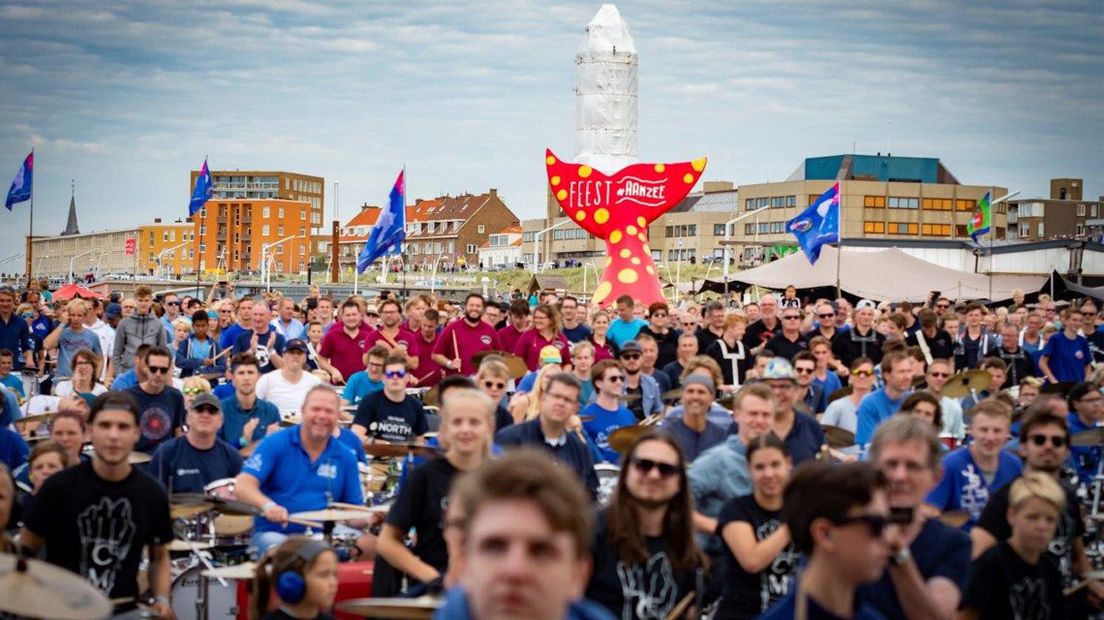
[(126, 98)]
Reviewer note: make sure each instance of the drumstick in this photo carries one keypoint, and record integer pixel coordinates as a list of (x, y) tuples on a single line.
[(682, 606), (311, 524), (1075, 587), (351, 506), (455, 347)]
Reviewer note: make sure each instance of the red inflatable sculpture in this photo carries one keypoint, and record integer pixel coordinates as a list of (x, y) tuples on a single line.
[(618, 209)]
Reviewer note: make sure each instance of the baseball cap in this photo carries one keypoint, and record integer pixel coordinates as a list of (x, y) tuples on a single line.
[(208, 399), (779, 368), (865, 304), (550, 355), (112, 311), (631, 346), (371, 310), (298, 344)]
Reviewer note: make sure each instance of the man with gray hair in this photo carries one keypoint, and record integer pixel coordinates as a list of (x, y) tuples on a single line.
[(929, 560)]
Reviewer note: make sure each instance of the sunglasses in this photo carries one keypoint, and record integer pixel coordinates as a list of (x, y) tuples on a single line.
[(27, 315), (942, 306), (395, 374), (940, 375), (172, 303), (208, 409), (688, 323), (1055, 440), (615, 379), (189, 391), (162, 370), (644, 466), (492, 385), (863, 373), (827, 315), (876, 524), (804, 371), (631, 356)]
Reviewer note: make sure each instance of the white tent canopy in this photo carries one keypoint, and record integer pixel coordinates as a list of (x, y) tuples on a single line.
[(887, 275)]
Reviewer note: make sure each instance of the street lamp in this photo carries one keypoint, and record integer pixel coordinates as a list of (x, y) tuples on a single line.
[(993, 233), (728, 239), (264, 260), (163, 253), (536, 244), (74, 258)]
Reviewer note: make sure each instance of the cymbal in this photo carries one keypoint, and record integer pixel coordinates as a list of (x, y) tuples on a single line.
[(966, 382), (955, 518), (330, 514), (139, 457), (36, 589), (290, 420), (620, 439), (399, 450), (432, 397), (838, 437), (421, 608), (517, 366), (674, 394), (40, 417), (187, 505), (231, 507), (1088, 439), (189, 545), (843, 392), (245, 570), (629, 397)]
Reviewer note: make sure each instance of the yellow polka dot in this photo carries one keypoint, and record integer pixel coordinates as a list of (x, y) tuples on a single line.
[(561, 195), (609, 261), (631, 229), (601, 216), (626, 253), (643, 238), (615, 237), (647, 249), (555, 181), (549, 160), (650, 270), (602, 292), (584, 171), (698, 164), (660, 167), (627, 276), (580, 215), (687, 178), (641, 222), (635, 261)]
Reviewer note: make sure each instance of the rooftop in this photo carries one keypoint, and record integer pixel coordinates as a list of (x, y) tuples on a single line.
[(874, 168)]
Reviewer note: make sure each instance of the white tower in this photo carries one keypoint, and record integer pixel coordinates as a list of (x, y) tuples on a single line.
[(605, 94)]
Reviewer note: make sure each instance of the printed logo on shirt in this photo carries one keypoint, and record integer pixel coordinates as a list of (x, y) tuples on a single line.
[(485, 339), (774, 583), (974, 493), (327, 470), (106, 532), (187, 472), (254, 462), (1079, 354), (155, 423), (648, 590), (263, 356), (1028, 599)]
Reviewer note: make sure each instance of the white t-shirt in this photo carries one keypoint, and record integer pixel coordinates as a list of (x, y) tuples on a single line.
[(65, 388), (288, 397)]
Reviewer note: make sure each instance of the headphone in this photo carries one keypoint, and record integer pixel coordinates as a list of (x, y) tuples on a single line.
[(290, 584)]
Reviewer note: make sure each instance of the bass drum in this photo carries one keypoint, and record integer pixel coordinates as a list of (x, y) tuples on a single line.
[(187, 589)]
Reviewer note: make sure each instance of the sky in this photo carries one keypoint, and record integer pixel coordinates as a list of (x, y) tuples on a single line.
[(125, 98)]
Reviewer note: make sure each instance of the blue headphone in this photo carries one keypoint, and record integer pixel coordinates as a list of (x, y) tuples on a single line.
[(290, 585)]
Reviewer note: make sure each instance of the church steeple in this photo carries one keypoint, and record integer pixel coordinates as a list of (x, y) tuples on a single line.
[(71, 226)]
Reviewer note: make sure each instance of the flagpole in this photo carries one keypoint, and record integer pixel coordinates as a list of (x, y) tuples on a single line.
[(401, 254), (839, 242), (30, 228), (992, 231)]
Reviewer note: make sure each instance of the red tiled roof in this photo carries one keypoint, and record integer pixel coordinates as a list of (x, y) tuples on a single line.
[(366, 217)]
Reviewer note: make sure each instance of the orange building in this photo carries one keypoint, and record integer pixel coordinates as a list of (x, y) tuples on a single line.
[(231, 234), (168, 249)]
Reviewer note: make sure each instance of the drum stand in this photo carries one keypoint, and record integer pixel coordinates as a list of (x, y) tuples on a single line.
[(202, 584)]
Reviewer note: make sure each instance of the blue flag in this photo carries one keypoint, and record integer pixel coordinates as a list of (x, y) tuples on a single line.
[(389, 230), (203, 190), (818, 225), (20, 190)]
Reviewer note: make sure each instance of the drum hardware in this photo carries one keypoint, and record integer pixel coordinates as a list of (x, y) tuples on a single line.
[(399, 449), (37, 589), (245, 570), (329, 518), (421, 608)]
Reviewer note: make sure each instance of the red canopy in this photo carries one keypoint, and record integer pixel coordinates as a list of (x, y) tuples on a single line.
[(69, 291)]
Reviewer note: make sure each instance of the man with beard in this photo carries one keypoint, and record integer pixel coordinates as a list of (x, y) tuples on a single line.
[(161, 405), (517, 322), (246, 418), (342, 351), (645, 558), (392, 335), (693, 431), (1044, 446), (462, 339), (761, 331), (862, 340), (188, 463), (97, 518), (573, 328), (929, 561), (935, 343), (643, 388)]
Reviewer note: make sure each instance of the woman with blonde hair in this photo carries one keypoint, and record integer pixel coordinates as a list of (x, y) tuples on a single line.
[(526, 406), (547, 331)]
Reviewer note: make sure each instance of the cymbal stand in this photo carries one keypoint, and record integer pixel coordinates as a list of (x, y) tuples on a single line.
[(202, 584)]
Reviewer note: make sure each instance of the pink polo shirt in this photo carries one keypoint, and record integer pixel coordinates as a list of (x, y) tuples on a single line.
[(404, 337), (470, 340), (531, 342), (346, 353)]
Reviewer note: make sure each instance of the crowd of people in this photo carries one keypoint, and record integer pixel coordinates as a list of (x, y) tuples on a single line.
[(669, 460)]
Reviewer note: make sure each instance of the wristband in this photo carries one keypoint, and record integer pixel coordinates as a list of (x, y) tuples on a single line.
[(161, 598), (901, 557), (267, 505)]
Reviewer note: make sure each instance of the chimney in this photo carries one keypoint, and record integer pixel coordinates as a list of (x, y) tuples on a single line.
[(494, 191), (156, 220)]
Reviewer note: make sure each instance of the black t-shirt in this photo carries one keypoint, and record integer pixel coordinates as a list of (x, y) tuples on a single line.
[(1003, 586), (941, 345), (756, 335), (636, 405), (851, 345), (639, 590), (785, 348), (391, 421), (97, 528), (183, 468), (746, 595), (667, 344), (503, 418), (421, 504), (994, 519), (161, 415)]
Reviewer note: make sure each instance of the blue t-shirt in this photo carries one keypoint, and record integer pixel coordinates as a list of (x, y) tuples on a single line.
[(358, 386), (13, 450), (229, 335), (15, 383), (873, 409), (68, 345), (224, 390), (350, 440), (182, 468), (1067, 358), (9, 408), (1085, 459), (605, 422), (804, 439), (234, 419), (830, 384), (126, 380), (962, 486), (288, 477), (621, 332), (279, 343), (578, 333), (161, 415)]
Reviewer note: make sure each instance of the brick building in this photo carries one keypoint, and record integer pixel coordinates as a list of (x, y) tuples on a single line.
[(173, 243), (1064, 215), (230, 234), (453, 228)]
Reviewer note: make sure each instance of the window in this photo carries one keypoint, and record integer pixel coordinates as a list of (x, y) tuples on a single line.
[(898, 202), (749, 229), (937, 204), (965, 205), (749, 204), (872, 202), (265, 212), (791, 201), (1092, 210), (1025, 230), (265, 231), (777, 202), (902, 228), (718, 230), (480, 229), (527, 236), (778, 227), (303, 214), (877, 228), (1080, 211), (935, 230), (1041, 229), (1080, 229), (764, 227), (471, 248), (762, 203)]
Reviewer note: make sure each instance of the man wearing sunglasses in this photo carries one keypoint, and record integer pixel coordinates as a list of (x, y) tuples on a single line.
[(938, 373), (607, 410), (188, 463), (170, 303), (391, 414), (1044, 446), (160, 405), (825, 322), (643, 388)]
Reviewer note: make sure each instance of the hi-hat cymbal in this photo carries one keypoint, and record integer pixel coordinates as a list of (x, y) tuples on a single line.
[(629, 397), (1088, 439), (421, 608), (139, 457), (843, 392), (36, 589), (398, 450), (837, 437), (331, 514), (621, 438), (955, 518), (964, 383), (245, 570), (189, 545)]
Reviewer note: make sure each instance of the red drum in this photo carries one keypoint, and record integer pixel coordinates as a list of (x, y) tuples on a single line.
[(354, 580)]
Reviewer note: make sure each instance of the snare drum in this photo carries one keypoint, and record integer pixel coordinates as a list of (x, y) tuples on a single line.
[(607, 481), (190, 601)]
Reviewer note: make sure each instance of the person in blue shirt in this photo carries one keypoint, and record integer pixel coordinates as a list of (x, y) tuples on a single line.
[(243, 321), (7, 378), (13, 450), (626, 326), (972, 473), (199, 354), (837, 516), (188, 463), (70, 338), (298, 469), (9, 408), (1066, 356), (1086, 405), (882, 403), (367, 381), (246, 418), (15, 333), (607, 411), (262, 341), (691, 427), (800, 432)]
